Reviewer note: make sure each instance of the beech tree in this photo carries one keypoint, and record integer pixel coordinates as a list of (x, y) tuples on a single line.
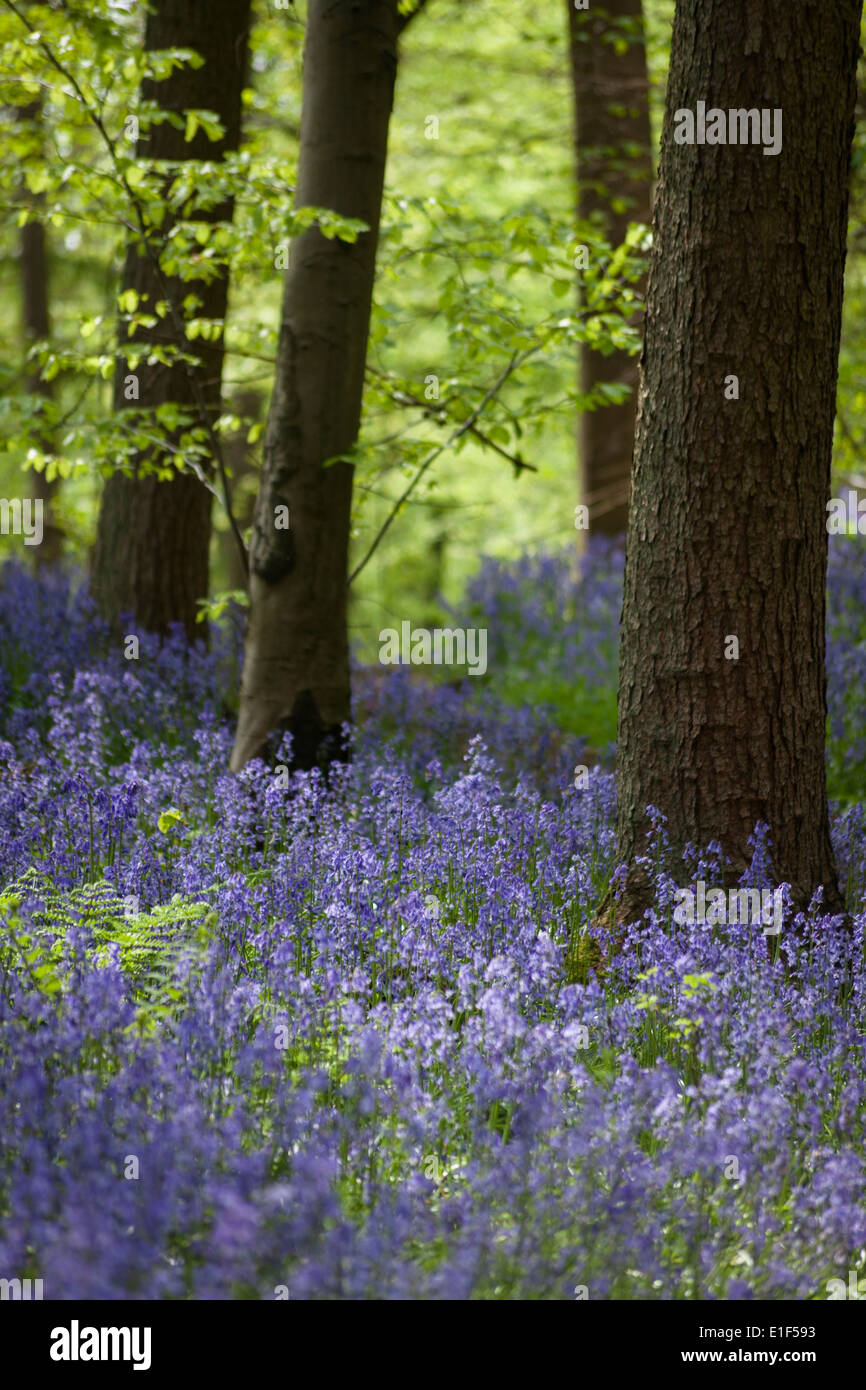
[(722, 699), (614, 178), (296, 664), (153, 537), (36, 322)]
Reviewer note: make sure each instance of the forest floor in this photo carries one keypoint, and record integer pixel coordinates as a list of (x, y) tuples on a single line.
[(267, 1042)]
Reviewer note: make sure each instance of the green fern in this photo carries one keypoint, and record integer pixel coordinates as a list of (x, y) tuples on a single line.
[(150, 945)]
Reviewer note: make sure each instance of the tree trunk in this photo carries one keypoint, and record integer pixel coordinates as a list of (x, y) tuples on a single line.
[(248, 403), (36, 323), (153, 537), (614, 179), (296, 667), (727, 534)]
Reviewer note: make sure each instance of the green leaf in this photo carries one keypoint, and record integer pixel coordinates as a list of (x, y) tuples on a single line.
[(37, 180)]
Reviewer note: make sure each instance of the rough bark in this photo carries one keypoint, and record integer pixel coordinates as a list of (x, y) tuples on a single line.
[(36, 322), (296, 667), (614, 180), (727, 534), (153, 537)]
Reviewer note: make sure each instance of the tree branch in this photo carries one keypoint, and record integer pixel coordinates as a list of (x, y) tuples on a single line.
[(516, 360), (404, 20), (407, 398)]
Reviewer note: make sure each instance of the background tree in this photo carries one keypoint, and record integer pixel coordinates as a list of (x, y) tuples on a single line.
[(153, 536), (727, 535), (36, 322), (246, 404), (613, 155), (487, 207)]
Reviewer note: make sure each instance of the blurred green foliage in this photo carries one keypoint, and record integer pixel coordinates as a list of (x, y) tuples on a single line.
[(476, 265)]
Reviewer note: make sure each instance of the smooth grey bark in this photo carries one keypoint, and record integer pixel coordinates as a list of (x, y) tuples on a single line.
[(296, 666), (248, 403)]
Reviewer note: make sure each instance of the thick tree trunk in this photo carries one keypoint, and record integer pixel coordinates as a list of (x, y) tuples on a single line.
[(151, 556), (614, 181), (296, 668), (727, 534), (36, 322)]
